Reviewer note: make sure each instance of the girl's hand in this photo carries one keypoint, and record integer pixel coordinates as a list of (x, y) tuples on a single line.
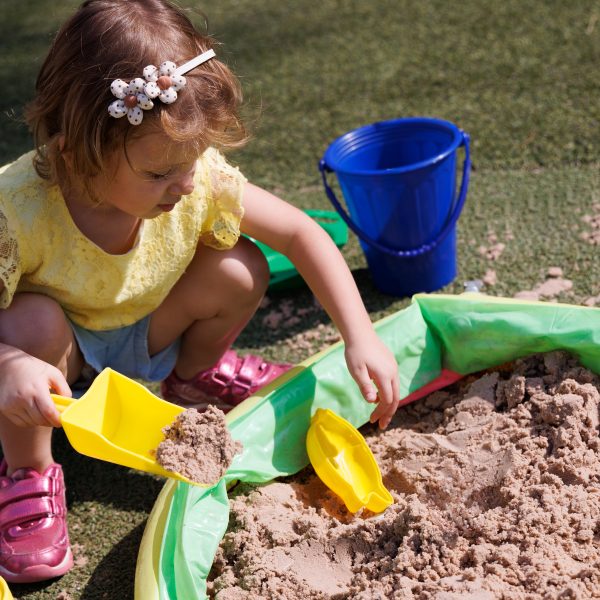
[(370, 361), (24, 385)]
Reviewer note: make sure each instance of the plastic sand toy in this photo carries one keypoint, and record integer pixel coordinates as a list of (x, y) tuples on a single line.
[(344, 462), (118, 420), (4, 591)]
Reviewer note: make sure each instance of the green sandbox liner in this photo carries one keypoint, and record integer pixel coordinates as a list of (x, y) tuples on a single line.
[(436, 334)]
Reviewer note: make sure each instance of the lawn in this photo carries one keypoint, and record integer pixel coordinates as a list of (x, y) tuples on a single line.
[(519, 76)]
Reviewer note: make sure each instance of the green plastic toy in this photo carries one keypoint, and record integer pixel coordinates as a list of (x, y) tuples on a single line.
[(283, 273)]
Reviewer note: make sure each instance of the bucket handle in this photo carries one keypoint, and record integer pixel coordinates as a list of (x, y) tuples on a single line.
[(423, 249)]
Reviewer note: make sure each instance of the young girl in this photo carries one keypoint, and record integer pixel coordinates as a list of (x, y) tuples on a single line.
[(120, 246)]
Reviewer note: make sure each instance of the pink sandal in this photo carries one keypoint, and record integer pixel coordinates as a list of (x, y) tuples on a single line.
[(225, 385), (34, 543)]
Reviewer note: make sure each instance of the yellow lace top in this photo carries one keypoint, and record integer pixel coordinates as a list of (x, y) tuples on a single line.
[(43, 251)]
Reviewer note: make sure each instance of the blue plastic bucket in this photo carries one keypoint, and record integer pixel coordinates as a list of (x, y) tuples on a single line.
[(398, 179)]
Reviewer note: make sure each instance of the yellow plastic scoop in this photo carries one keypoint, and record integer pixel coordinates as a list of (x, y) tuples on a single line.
[(5, 591), (118, 420), (343, 461)]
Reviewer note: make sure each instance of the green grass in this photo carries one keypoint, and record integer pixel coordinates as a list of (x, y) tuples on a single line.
[(520, 76)]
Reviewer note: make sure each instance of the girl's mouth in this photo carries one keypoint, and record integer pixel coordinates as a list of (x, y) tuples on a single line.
[(169, 206)]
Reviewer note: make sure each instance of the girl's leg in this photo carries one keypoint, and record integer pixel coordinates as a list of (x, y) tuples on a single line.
[(210, 305), (37, 325)]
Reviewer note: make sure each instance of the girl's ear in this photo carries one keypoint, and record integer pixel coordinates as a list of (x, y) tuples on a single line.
[(66, 156)]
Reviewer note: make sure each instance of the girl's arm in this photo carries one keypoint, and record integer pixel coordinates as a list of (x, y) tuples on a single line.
[(291, 232)]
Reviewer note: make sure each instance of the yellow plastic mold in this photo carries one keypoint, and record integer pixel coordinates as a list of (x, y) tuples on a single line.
[(343, 461)]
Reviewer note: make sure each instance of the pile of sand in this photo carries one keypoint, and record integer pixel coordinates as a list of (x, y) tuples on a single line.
[(198, 446), (496, 483)]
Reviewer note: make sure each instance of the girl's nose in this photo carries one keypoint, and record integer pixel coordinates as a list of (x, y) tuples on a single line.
[(183, 185)]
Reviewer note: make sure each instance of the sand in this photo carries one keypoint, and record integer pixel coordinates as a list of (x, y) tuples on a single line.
[(496, 483), (198, 446)]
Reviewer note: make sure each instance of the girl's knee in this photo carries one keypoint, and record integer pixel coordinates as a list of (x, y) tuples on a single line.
[(241, 271), (251, 267), (35, 324)]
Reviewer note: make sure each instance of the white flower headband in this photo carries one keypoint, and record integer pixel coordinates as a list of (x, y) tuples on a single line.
[(162, 83)]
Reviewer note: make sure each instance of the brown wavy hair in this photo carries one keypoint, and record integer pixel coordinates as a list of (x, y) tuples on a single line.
[(115, 39)]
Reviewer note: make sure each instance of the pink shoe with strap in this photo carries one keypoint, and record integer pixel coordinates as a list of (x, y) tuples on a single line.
[(34, 543), (225, 385)]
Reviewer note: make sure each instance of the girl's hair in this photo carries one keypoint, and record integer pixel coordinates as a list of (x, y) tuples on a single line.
[(115, 39)]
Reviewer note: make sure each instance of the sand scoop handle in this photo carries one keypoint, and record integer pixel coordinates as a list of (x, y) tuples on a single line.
[(62, 402)]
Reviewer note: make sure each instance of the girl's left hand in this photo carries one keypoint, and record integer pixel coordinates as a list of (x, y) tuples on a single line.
[(375, 370)]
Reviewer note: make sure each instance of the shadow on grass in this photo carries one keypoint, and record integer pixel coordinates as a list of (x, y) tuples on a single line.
[(91, 480), (114, 577), (256, 333), (374, 299)]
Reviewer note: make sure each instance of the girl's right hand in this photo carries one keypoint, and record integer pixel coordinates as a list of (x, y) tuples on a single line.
[(25, 382)]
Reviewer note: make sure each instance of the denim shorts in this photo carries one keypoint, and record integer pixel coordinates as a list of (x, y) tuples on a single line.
[(125, 350)]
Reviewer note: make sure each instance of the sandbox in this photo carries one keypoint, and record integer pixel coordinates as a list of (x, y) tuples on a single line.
[(438, 340), (496, 485)]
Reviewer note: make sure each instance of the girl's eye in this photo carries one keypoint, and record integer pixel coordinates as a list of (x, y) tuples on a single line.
[(159, 176)]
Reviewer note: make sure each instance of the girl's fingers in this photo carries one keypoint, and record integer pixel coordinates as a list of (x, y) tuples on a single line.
[(386, 392), (388, 416), (367, 388), (59, 384), (40, 411), (378, 382), (29, 403), (48, 412), (385, 409), (389, 398), (396, 389), (35, 416), (369, 392), (377, 414)]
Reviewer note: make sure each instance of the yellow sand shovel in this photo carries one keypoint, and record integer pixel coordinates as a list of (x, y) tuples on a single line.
[(4, 590), (118, 420), (343, 461)]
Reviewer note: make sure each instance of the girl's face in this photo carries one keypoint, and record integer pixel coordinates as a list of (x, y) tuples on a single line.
[(150, 178)]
